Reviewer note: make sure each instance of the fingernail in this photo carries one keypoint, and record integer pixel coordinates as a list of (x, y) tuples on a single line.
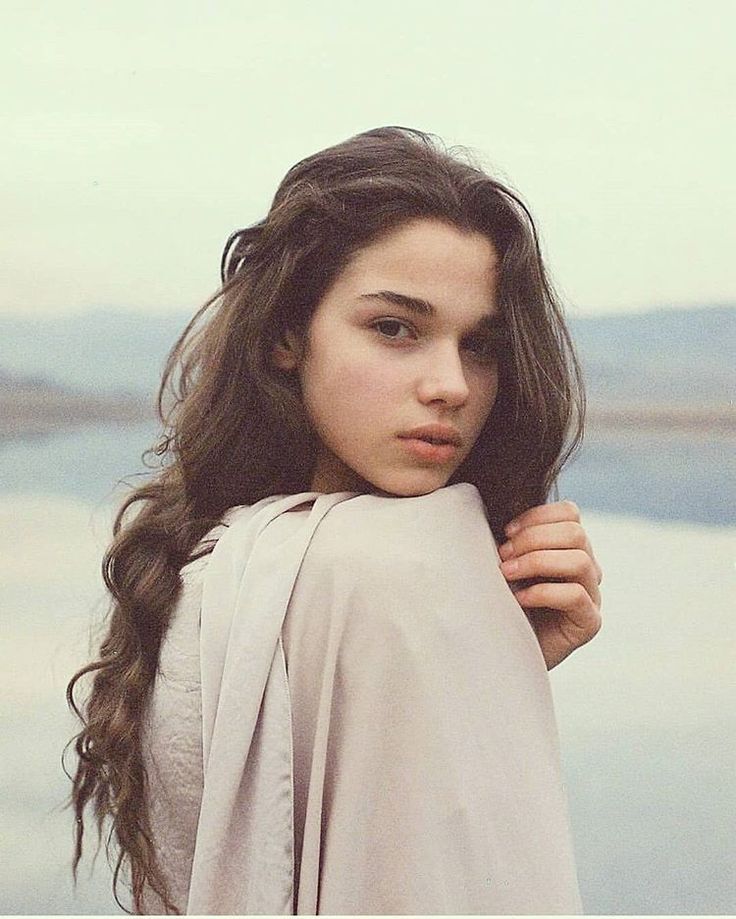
[(510, 566), (506, 550), (512, 528)]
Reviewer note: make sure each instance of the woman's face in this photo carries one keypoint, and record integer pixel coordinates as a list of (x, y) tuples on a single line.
[(401, 352)]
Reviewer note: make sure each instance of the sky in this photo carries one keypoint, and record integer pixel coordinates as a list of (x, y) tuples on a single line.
[(138, 134)]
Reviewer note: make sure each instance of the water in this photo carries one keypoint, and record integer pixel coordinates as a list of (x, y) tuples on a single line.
[(645, 711), (660, 475), (657, 475)]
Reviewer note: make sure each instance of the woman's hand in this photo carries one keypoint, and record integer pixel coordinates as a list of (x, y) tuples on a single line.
[(548, 544)]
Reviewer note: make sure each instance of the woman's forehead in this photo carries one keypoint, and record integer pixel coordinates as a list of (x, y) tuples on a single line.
[(428, 268), (425, 241)]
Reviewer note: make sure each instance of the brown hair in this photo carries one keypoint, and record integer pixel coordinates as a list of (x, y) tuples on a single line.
[(235, 429)]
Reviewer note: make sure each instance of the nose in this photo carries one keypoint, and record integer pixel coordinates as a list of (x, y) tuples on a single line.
[(443, 378)]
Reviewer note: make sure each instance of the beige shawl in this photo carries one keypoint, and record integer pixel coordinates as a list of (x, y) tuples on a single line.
[(360, 723)]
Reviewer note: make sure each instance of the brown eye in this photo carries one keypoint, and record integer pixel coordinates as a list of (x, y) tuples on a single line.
[(393, 328)]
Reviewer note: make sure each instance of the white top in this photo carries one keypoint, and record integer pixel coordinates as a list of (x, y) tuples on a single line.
[(361, 724)]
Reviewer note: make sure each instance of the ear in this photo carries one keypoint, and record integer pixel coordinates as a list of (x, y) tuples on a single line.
[(285, 354)]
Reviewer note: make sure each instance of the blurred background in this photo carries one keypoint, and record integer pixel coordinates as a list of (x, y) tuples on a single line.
[(137, 135)]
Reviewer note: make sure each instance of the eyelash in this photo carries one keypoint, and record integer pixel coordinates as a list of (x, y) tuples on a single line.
[(488, 349), (390, 320)]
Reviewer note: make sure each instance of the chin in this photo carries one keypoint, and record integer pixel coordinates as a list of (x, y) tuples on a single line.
[(411, 484)]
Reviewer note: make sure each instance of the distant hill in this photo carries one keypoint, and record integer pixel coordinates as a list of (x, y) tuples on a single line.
[(667, 356), (12, 382), (32, 405), (100, 351)]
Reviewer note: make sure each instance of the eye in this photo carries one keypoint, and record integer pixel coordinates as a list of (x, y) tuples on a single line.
[(393, 329)]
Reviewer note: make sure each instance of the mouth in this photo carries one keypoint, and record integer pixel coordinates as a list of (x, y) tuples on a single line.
[(432, 444), (431, 440), (435, 434)]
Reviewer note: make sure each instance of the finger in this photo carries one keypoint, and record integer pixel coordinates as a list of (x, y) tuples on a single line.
[(572, 601), (566, 534), (564, 564), (544, 513)]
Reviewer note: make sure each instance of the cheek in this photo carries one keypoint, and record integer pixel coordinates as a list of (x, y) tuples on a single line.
[(379, 380), (361, 382)]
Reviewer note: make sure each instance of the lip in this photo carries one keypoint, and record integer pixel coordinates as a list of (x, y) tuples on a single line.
[(435, 432), (426, 452)]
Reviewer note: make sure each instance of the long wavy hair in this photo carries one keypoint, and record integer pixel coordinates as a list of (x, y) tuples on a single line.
[(235, 429)]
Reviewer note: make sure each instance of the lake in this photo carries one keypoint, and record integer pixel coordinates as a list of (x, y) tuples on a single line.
[(658, 475), (645, 712)]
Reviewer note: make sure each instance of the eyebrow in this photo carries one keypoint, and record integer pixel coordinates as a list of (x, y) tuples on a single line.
[(490, 322)]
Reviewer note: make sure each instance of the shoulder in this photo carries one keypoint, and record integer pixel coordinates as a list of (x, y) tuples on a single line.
[(372, 528), (391, 562), (357, 538), (354, 532), (401, 579)]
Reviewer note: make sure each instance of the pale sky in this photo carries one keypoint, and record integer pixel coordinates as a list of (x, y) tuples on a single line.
[(137, 134)]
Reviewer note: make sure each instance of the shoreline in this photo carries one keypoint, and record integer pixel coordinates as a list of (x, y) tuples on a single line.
[(34, 413), (700, 419)]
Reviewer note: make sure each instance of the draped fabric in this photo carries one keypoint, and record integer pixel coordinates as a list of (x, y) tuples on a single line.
[(352, 716)]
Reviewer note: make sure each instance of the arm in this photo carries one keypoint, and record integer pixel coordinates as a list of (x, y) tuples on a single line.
[(547, 543), (426, 751)]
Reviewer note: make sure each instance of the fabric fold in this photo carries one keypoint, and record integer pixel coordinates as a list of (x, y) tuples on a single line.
[(376, 732), (243, 859)]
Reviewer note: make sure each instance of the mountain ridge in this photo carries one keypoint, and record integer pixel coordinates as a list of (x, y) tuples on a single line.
[(674, 356)]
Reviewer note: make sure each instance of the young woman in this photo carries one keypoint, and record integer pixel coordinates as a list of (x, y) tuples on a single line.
[(322, 688)]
